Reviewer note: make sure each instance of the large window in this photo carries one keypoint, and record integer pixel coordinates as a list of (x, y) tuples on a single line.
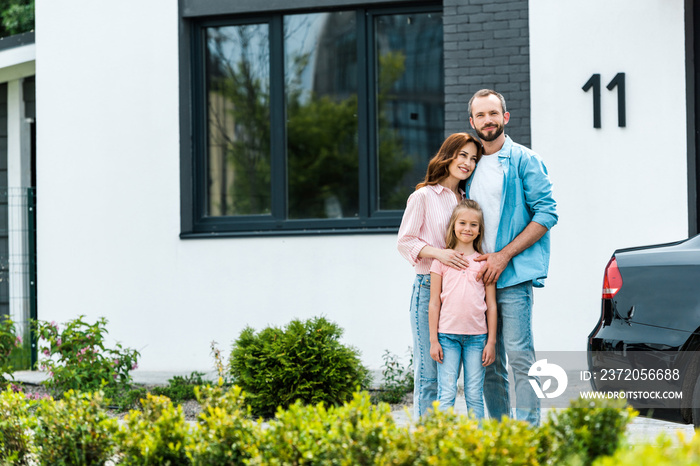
[(312, 122)]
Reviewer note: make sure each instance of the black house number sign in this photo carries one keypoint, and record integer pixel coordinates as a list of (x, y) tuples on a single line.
[(617, 82)]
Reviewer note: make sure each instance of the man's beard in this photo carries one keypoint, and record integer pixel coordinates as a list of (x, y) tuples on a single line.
[(493, 136)]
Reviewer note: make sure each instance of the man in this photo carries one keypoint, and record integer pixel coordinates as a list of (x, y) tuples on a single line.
[(513, 188)]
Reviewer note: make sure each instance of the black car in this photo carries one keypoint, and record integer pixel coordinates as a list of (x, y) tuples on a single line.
[(647, 341)]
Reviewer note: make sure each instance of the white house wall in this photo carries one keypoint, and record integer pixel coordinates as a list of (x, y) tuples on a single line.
[(109, 187), (615, 187)]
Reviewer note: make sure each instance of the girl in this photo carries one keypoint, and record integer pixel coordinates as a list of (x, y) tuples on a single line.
[(422, 239), (462, 313)]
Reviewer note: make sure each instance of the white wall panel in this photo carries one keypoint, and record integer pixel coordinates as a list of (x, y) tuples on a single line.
[(108, 172), (615, 187)]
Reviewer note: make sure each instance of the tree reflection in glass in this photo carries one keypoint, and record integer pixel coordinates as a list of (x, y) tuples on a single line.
[(321, 74), (238, 106), (321, 93), (410, 101)]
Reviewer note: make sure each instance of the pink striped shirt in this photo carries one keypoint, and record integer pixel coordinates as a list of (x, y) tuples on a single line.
[(424, 223)]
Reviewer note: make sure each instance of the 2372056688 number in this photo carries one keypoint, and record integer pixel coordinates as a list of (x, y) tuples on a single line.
[(639, 374)]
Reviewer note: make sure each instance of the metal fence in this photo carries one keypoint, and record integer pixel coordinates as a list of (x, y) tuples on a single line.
[(18, 297)]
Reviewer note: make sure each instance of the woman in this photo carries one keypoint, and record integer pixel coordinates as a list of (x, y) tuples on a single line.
[(422, 239)]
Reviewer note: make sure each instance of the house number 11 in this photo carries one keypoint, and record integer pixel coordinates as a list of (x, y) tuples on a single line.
[(619, 82)]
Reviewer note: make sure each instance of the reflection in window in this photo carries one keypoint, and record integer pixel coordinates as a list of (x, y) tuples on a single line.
[(321, 95), (314, 121), (238, 108), (410, 101)]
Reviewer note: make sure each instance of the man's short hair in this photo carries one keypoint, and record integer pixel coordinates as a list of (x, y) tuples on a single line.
[(485, 93)]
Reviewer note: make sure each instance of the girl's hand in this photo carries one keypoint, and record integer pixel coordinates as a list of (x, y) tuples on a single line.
[(436, 352), (489, 354), (453, 259)]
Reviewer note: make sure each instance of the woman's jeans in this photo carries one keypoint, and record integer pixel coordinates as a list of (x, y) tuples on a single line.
[(462, 351), (425, 368), (514, 339)]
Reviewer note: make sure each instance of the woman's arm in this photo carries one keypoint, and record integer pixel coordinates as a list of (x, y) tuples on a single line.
[(434, 315), (489, 354), (449, 257), (410, 244)]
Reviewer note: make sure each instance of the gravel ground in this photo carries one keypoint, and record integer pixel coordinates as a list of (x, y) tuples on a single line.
[(190, 408)]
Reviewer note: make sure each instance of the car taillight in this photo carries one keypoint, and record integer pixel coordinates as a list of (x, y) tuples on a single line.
[(612, 282)]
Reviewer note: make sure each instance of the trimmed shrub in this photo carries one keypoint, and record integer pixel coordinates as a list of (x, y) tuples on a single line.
[(157, 435), (16, 422), (74, 431), (77, 431), (663, 452), (304, 362), (584, 431), (356, 433), (443, 437), (226, 434)]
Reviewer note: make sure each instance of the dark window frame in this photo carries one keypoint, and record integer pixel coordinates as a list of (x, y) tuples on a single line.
[(194, 18)]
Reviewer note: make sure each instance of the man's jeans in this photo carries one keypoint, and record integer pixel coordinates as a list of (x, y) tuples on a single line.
[(458, 351), (425, 368), (514, 338)]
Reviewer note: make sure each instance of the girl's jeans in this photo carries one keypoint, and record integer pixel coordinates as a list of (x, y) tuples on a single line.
[(425, 369), (458, 351)]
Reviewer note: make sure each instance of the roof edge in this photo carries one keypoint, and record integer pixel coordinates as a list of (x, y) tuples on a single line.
[(17, 40)]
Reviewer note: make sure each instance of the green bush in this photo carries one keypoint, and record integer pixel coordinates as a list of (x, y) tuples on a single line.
[(226, 433), (156, 435), (663, 452), (77, 431), (74, 431), (443, 437), (304, 362), (586, 430), (76, 358), (181, 388), (16, 422), (356, 433), (9, 342), (178, 389)]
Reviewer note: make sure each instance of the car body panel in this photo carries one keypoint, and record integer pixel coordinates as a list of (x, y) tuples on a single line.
[(655, 312)]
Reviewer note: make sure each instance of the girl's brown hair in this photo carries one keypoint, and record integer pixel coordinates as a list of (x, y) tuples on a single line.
[(438, 167), (451, 238)]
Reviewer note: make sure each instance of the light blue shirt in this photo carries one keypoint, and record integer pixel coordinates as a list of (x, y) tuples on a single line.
[(527, 197)]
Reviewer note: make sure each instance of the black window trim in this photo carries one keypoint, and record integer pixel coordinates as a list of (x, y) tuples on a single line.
[(193, 124)]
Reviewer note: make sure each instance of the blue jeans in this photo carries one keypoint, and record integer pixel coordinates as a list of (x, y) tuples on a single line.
[(425, 369), (513, 338), (462, 351)]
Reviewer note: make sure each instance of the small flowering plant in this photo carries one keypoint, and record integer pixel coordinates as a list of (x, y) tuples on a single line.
[(76, 358), (223, 369), (8, 342)]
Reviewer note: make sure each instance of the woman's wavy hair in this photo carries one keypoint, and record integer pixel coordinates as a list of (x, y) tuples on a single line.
[(451, 237), (438, 167)]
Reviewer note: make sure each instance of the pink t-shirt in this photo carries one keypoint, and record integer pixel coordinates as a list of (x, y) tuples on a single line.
[(463, 310)]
